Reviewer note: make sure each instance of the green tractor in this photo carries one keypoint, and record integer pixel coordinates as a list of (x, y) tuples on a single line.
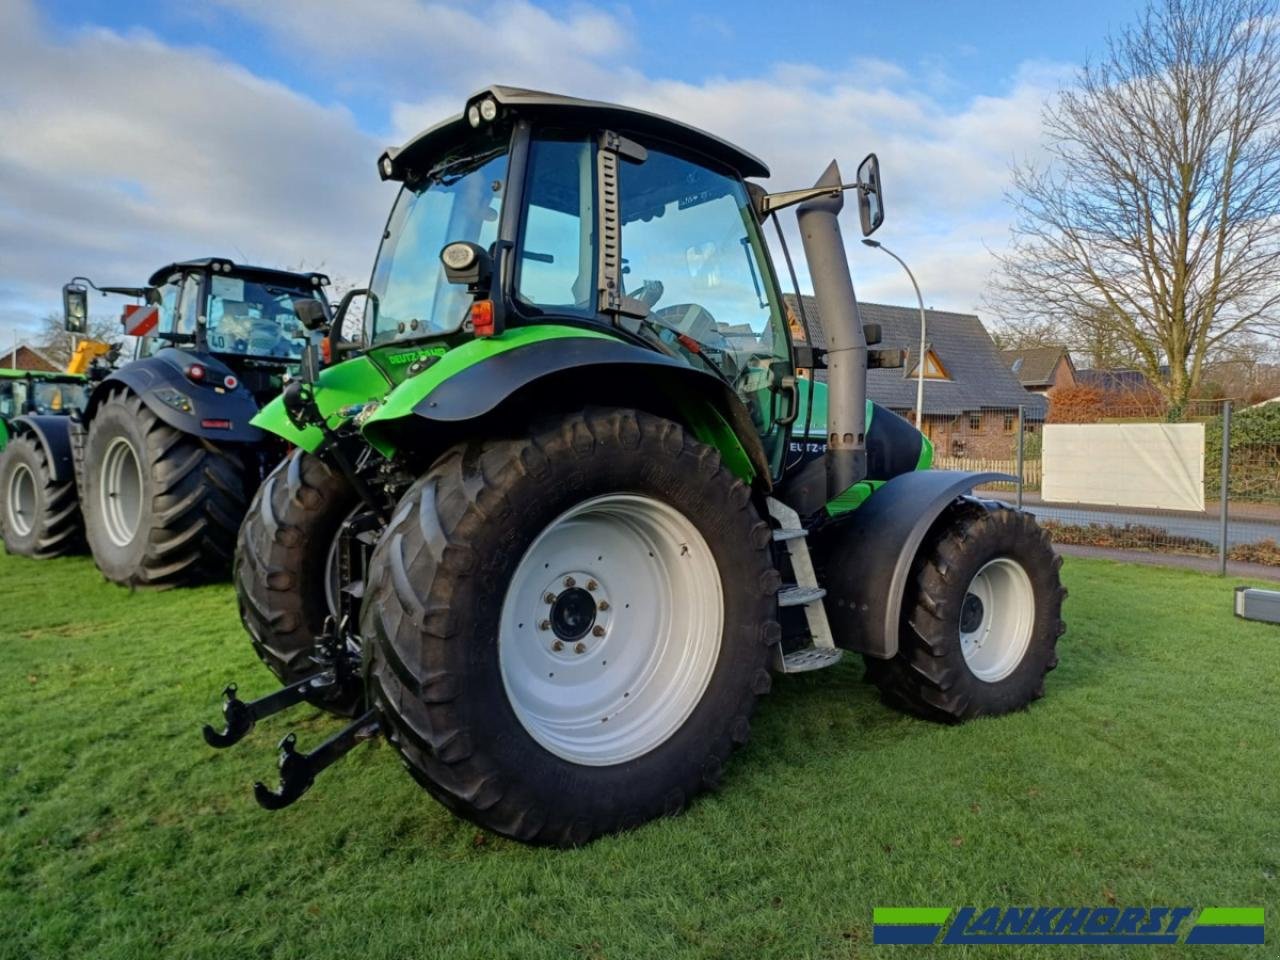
[(29, 397), (543, 531)]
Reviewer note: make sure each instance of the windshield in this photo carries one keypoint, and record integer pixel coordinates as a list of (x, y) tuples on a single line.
[(461, 199), (58, 397), (255, 318)]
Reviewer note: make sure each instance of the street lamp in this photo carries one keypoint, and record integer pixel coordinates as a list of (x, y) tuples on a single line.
[(920, 361)]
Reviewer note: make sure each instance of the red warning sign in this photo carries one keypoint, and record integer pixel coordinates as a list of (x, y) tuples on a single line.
[(140, 320)]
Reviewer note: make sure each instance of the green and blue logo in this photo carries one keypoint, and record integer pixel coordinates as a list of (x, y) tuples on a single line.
[(971, 925)]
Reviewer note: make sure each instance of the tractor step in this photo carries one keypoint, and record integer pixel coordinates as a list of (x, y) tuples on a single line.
[(806, 593), (782, 536), (810, 658), (793, 595), (298, 771)]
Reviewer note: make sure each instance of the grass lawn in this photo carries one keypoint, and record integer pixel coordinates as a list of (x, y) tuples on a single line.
[(1148, 776)]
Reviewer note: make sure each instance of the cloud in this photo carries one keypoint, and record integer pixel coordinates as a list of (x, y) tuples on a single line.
[(134, 153)]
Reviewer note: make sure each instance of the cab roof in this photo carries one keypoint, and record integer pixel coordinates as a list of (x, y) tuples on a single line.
[(572, 110), (229, 267)]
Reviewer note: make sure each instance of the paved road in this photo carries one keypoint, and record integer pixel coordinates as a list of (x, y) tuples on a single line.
[(1188, 525)]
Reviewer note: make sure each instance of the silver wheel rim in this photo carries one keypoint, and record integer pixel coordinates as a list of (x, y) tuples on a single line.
[(120, 494), (21, 498), (997, 619), (638, 580)]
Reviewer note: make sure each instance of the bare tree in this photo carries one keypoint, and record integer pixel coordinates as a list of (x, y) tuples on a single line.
[(1154, 224), (55, 343)]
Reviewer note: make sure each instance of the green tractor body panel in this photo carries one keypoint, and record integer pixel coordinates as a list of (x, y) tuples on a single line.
[(351, 383), (399, 403), (891, 449), (383, 377)]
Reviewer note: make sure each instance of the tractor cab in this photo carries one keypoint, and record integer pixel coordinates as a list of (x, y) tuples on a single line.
[(216, 317), (530, 210), (32, 392)]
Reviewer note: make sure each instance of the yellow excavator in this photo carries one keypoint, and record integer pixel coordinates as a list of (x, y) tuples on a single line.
[(85, 353)]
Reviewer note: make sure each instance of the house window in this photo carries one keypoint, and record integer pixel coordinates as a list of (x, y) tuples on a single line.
[(933, 368), (1009, 421), (975, 423)]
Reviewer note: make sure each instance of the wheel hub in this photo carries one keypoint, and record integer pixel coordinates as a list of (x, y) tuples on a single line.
[(573, 614), (971, 613)]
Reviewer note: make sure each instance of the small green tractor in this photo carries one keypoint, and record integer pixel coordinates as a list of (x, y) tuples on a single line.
[(544, 530), (157, 464)]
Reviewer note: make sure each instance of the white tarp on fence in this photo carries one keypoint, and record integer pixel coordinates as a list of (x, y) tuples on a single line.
[(1156, 465)]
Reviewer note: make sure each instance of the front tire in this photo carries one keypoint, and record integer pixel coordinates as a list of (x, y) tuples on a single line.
[(515, 573), (981, 619), (161, 507), (40, 516), (283, 567)]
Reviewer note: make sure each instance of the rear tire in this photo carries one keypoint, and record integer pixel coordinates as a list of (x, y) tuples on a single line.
[(456, 651), (40, 516), (161, 507), (282, 564), (981, 619)]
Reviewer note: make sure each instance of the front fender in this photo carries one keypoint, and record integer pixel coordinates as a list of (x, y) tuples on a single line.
[(53, 433), (346, 384), (864, 557), (155, 378), (477, 378)]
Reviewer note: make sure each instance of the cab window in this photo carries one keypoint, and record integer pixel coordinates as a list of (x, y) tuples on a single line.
[(692, 252)]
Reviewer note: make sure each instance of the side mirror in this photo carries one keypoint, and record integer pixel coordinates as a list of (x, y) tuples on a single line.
[(338, 342), (870, 195), (310, 313), (75, 308)]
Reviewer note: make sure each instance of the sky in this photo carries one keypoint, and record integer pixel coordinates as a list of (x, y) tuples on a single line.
[(138, 133)]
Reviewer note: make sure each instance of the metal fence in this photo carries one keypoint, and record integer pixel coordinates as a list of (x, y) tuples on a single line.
[(1237, 518)]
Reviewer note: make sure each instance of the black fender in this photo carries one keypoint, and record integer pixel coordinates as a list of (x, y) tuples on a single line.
[(163, 374), (53, 433), (864, 557), (589, 370)]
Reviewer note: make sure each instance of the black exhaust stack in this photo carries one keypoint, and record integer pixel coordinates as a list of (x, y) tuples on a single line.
[(846, 455)]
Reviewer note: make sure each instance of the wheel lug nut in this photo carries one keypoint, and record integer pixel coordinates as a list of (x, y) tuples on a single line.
[(580, 648), (545, 625), (549, 598), (604, 605), (597, 631), (591, 584), (557, 646), (570, 582)]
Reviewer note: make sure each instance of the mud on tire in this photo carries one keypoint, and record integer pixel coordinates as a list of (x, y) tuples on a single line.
[(190, 499), (433, 608), (39, 516), (931, 676)]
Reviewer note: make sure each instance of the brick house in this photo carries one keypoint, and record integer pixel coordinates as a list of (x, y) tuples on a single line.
[(28, 358), (1041, 369), (971, 397)]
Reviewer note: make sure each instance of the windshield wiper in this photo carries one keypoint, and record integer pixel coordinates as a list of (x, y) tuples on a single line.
[(448, 172)]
